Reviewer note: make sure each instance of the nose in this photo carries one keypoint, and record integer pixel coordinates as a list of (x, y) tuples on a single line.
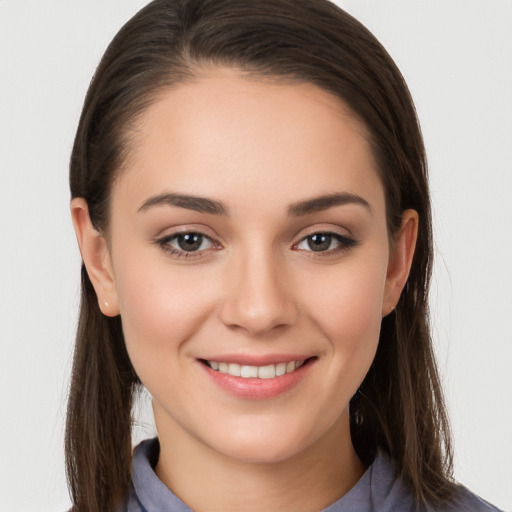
[(258, 295)]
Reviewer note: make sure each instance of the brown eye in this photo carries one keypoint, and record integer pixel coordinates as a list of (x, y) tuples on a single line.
[(190, 241), (325, 242), (319, 242), (186, 243)]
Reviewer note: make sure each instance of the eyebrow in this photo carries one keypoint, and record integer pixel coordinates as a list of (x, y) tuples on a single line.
[(321, 203), (298, 209), (198, 204)]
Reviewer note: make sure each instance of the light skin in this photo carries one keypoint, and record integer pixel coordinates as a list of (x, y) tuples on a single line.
[(262, 153)]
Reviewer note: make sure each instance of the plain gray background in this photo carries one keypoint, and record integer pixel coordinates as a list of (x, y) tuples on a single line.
[(456, 56)]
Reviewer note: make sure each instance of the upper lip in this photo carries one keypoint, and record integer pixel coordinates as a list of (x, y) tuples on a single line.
[(257, 360)]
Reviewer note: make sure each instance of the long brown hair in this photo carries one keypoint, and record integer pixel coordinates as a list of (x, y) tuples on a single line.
[(399, 407)]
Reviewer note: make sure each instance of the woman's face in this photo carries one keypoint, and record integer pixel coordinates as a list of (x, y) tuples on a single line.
[(248, 236)]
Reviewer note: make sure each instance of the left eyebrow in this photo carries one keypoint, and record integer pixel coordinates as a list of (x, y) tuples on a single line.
[(198, 204), (320, 203)]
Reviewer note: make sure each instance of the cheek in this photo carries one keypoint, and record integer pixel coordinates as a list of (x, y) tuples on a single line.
[(161, 306), (349, 301), (347, 310)]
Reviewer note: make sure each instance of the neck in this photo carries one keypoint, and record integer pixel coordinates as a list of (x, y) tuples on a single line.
[(309, 480)]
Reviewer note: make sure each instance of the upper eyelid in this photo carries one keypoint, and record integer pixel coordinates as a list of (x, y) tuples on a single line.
[(169, 233), (334, 234), (327, 230), (347, 239), (167, 238)]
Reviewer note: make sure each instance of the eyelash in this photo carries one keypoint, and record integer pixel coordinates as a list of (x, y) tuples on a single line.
[(345, 243), (164, 244)]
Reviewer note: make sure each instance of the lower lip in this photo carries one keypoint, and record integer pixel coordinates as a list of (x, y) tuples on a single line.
[(258, 389)]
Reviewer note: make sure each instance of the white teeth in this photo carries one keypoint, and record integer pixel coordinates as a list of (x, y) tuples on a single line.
[(280, 369), (267, 372), (248, 371), (290, 367), (262, 372), (234, 369)]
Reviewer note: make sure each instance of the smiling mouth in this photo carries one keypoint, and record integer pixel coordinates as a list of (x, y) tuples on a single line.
[(269, 371)]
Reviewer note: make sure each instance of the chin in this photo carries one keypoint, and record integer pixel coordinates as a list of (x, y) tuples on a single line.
[(264, 446), (266, 453)]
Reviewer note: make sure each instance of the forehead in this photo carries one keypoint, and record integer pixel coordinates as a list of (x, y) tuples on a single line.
[(237, 138)]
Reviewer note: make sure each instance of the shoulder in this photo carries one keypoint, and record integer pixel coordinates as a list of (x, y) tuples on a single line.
[(398, 493), (466, 500), (387, 485), (380, 490)]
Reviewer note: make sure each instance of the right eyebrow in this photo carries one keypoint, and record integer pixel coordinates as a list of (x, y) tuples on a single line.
[(196, 203), (320, 203)]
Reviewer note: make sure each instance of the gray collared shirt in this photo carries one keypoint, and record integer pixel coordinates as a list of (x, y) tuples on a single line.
[(378, 490)]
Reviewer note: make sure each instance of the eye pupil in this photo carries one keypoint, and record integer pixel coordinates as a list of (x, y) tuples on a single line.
[(319, 242), (190, 241)]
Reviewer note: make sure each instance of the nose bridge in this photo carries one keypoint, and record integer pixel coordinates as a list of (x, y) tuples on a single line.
[(257, 296)]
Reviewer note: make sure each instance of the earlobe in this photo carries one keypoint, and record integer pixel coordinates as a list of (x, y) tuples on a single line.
[(400, 260), (96, 257)]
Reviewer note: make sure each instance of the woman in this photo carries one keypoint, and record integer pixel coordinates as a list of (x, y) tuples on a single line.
[(251, 202)]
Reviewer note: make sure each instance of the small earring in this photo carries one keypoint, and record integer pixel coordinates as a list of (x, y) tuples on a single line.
[(106, 304)]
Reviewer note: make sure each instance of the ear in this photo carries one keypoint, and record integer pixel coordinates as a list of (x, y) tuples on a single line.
[(96, 256), (400, 260)]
